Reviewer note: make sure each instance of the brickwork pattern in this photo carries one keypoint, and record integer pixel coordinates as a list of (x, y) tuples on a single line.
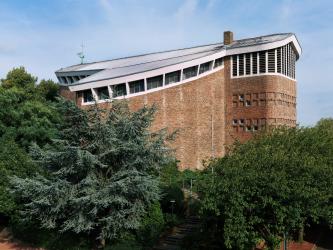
[(257, 101), (212, 112)]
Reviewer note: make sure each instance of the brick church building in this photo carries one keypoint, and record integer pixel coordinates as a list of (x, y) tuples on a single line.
[(214, 94)]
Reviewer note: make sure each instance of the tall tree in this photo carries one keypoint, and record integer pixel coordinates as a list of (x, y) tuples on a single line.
[(26, 116), (272, 185), (102, 172)]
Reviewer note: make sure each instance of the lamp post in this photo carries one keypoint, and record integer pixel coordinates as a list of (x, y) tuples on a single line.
[(285, 241), (172, 204), (191, 187)]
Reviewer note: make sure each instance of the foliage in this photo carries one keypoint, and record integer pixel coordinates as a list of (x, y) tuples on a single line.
[(152, 225), (48, 89), (275, 183), (25, 117), (102, 172), (25, 113), (170, 175), (172, 220), (20, 78), (13, 161), (172, 193)]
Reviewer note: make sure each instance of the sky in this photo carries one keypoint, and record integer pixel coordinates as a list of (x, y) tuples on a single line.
[(44, 36)]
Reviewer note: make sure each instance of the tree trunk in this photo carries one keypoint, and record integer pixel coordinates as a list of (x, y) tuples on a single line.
[(301, 234), (99, 244)]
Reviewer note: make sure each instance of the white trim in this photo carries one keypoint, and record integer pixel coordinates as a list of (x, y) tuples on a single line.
[(237, 65), (127, 88), (110, 91), (266, 61), (170, 85), (94, 94), (244, 62), (275, 60), (195, 62), (198, 62), (251, 64), (147, 74), (266, 74), (145, 84), (267, 46), (258, 64)]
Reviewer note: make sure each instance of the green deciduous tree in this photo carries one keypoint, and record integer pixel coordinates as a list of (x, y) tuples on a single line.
[(102, 172), (273, 184), (26, 116)]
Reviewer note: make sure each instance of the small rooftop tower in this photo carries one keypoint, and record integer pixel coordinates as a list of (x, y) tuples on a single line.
[(80, 54), (228, 37)]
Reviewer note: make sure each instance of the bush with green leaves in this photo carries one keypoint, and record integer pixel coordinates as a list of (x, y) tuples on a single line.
[(275, 183), (102, 172), (152, 225)]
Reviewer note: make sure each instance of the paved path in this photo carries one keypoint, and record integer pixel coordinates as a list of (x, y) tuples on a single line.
[(15, 246), (7, 243), (174, 239), (300, 246)]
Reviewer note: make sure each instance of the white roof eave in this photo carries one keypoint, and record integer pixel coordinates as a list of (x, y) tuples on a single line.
[(162, 70), (267, 46), (146, 74)]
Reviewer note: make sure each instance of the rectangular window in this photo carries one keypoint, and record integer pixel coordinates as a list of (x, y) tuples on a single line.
[(136, 86), (103, 93), (87, 96), (119, 90), (271, 61), (241, 64), (248, 64), (70, 79), (262, 62), (76, 78), (155, 82), (190, 72), (205, 67), (284, 60), (218, 62), (255, 63), (234, 65), (172, 77), (63, 79), (278, 50), (287, 60)]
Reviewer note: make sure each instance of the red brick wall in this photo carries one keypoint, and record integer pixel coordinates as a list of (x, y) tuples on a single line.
[(203, 110), (273, 102), (196, 109)]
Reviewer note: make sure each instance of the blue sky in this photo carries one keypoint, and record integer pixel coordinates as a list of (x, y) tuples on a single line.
[(46, 35)]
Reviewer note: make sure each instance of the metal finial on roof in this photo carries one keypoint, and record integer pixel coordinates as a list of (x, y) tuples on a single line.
[(80, 54)]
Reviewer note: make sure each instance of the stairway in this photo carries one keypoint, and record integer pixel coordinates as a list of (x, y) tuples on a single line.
[(173, 240)]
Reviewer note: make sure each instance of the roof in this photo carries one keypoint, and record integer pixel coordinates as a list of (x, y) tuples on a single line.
[(131, 65)]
